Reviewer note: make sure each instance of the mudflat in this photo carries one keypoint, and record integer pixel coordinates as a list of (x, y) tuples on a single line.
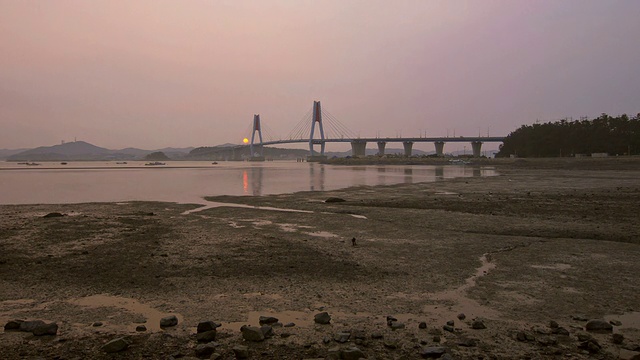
[(528, 257)]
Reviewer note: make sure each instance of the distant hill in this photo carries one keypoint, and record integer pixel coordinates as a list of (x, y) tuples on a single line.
[(5, 153), (80, 150)]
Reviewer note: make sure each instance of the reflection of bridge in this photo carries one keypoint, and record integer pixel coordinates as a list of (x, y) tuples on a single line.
[(341, 134)]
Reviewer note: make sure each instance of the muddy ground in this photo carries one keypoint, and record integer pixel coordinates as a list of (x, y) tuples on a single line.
[(544, 240)]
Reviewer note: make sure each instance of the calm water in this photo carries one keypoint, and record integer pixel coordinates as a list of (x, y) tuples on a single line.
[(188, 182)]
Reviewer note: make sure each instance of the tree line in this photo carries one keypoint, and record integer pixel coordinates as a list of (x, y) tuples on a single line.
[(604, 134)]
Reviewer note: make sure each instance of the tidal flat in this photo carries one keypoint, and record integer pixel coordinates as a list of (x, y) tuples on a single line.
[(532, 253)]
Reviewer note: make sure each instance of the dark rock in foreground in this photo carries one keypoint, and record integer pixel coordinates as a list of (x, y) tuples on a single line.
[(322, 318), (45, 329), (169, 321), (115, 345), (599, 326)]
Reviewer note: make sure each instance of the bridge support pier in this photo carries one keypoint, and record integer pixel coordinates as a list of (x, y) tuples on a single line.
[(408, 146), (477, 147), (358, 148), (439, 148), (381, 146)]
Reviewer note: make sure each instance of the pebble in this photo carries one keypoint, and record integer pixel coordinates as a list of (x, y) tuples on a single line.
[(422, 325), (462, 316), (141, 328), (478, 325)]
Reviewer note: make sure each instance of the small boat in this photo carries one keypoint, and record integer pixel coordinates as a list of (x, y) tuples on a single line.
[(155, 163), (63, 163), (214, 163), (122, 163), (32, 164)]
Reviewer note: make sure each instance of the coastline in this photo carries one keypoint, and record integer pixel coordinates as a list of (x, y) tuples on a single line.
[(546, 240)]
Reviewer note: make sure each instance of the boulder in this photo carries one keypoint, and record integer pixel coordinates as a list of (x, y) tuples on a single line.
[(322, 318), (29, 326), (45, 329), (598, 326), (115, 345), (204, 326), (13, 325), (252, 333), (169, 321)]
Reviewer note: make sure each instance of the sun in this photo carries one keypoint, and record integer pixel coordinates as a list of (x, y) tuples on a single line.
[(245, 140)]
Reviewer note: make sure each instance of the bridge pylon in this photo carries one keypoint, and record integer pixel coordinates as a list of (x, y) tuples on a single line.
[(316, 118), (256, 156)]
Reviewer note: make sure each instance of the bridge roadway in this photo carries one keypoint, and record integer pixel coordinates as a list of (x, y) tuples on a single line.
[(358, 145)]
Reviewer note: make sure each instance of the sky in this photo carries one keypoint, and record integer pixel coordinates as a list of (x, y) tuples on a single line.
[(154, 73)]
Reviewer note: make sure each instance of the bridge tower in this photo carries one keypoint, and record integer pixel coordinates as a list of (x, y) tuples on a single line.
[(316, 118), (256, 127)]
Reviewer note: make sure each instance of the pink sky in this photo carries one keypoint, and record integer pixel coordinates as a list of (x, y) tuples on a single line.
[(154, 74)]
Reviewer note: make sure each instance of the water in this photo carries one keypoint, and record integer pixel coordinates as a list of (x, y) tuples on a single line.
[(190, 181)]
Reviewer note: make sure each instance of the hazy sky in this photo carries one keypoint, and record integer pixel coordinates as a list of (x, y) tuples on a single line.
[(153, 74)]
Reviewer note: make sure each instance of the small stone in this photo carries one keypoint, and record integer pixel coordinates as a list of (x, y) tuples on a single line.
[(450, 323), (521, 336), (598, 326), (462, 316), (45, 329), (580, 318), (268, 320), (422, 325), (432, 352), (561, 331), (377, 336), (436, 338), (241, 351), (115, 345), (390, 344), (396, 325), (553, 324), (205, 350), (207, 336), (584, 337), (448, 328), (617, 338), (322, 318), (342, 337), (288, 325), (141, 328), (478, 325), (252, 333), (285, 335), (97, 324), (390, 320), (204, 326), (169, 321)]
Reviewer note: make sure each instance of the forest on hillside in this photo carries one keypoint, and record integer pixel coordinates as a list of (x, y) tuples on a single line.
[(604, 134)]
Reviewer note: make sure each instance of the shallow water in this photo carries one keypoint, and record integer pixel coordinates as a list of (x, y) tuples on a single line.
[(190, 181)]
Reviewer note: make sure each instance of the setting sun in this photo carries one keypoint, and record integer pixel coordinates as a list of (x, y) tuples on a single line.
[(245, 140)]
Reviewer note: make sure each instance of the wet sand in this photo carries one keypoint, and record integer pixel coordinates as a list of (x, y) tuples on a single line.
[(544, 240)]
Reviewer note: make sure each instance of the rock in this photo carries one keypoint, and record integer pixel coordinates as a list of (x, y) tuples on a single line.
[(205, 350), (322, 318), (45, 329), (252, 333), (521, 336), (288, 325), (422, 325), (390, 320), (326, 340), (590, 345), (553, 324), (377, 336), (241, 351), (268, 320), (462, 316), (276, 324), (547, 340), (436, 338), (141, 328), (467, 342), (204, 326), (13, 325), (169, 321), (617, 338), (448, 328), (584, 337), (478, 325), (342, 337), (352, 353), (334, 200), (390, 344), (53, 215), (396, 325), (267, 331), (615, 322), (580, 318), (451, 323), (333, 353), (207, 336), (29, 326), (561, 331), (598, 326), (115, 345), (359, 334), (432, 352), (285, 335)]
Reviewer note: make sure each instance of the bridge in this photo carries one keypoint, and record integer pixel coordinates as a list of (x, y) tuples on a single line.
[(311, 130)]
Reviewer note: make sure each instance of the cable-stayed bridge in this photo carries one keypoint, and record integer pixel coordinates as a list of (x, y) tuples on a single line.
[(319, 127)]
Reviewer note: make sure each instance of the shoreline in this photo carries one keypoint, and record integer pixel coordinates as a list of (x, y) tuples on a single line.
[(540, 242)]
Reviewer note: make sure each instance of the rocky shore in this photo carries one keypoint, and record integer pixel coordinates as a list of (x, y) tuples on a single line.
[(539, 262)]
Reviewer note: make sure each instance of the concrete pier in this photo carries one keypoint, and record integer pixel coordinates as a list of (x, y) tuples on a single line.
[(477, 148), (439, 148), (358, 148), (381, 146), (408, 146)]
